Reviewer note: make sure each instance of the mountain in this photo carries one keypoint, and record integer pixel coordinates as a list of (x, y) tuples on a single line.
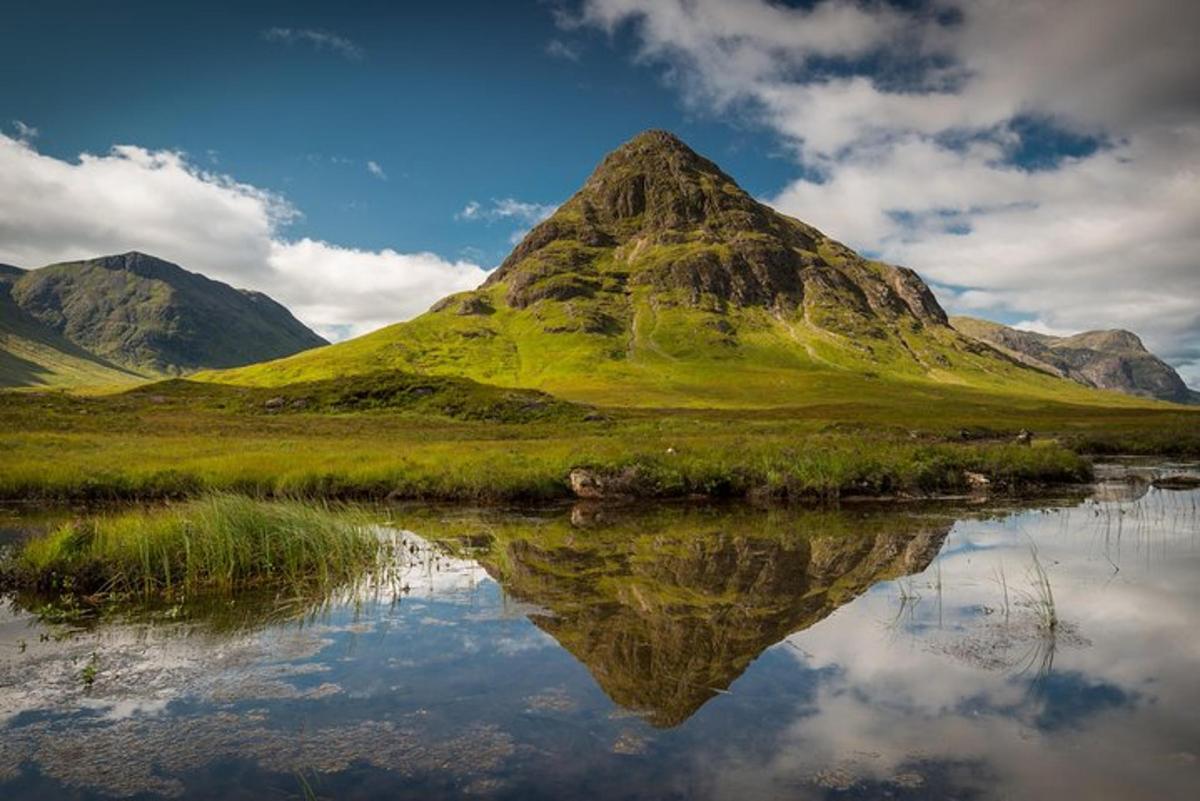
[(667, 610), (1113, 359), (662, 282), (119, 317), (32, 354)]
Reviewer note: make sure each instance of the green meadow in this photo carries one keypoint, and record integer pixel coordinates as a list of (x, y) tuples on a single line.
[(407, 437)]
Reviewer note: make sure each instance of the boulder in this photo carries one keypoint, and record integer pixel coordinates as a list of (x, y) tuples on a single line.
[(976, 481), (592, 484)]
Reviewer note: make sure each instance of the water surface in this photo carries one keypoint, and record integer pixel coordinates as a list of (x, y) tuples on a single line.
[(700, 653)]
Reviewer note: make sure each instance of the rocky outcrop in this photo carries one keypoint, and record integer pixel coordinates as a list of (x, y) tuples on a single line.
[(1114, 359), (656, 214)]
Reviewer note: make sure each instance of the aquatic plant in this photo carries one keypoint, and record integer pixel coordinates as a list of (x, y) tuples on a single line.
[(1002, 581), (218, 542), (1042, 595), (88, 674)]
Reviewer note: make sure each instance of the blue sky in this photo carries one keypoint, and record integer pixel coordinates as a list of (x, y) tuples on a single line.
[(357, 160), (455, 102)]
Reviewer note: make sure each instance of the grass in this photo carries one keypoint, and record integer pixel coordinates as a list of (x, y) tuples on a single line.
[(670, 355), (1041, 597), (91, 467), (406, 437), (217, 543)]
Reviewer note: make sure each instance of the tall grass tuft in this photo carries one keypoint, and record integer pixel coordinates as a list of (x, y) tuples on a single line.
[(220, 542), (1042, 595)]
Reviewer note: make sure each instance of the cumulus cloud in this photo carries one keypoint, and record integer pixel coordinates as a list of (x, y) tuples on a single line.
[(159, 202), (348, 291), (905, 127), (321, 40)]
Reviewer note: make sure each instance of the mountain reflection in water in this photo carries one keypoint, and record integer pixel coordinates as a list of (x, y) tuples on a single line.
[(668, 610), (680, 652)]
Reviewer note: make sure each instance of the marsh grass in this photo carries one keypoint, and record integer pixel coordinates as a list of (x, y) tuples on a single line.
[(182, 439), (1041, 596), (1002, 581), (363, 467), (395, 437), (216, 543)]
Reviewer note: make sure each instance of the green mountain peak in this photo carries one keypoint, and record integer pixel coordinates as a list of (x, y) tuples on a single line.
[(662, 282), (657, 215)]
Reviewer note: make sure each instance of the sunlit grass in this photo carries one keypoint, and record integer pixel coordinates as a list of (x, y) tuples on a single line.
[(57, 467), (179, 439), (215, 543)]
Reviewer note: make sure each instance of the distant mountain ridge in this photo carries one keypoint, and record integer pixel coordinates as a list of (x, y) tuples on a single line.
[(117, 317), (1113, 359)]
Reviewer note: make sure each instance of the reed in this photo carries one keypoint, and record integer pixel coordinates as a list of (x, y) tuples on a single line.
[(1041, 596)]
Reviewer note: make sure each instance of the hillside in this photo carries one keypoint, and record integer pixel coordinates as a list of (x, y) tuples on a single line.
[(661, 282), (121, 316), (1113, 359), (32, 354)]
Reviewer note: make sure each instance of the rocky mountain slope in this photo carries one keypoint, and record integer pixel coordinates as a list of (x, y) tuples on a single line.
[(1113, 359), (122, 316), (662, 282)]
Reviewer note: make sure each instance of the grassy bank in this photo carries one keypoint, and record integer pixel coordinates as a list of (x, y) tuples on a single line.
[(217, 543), (83, 467), (181, 439)]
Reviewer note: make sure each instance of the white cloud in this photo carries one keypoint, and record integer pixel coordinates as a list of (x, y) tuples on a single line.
[(557, 48), (321, 40), (919, 170), (507, 209), (1040, 327), (350, 291), (160, 203), (24, 132), (374, 168)]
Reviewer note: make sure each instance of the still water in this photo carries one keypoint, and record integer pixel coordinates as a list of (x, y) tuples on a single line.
[(680, 652)]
